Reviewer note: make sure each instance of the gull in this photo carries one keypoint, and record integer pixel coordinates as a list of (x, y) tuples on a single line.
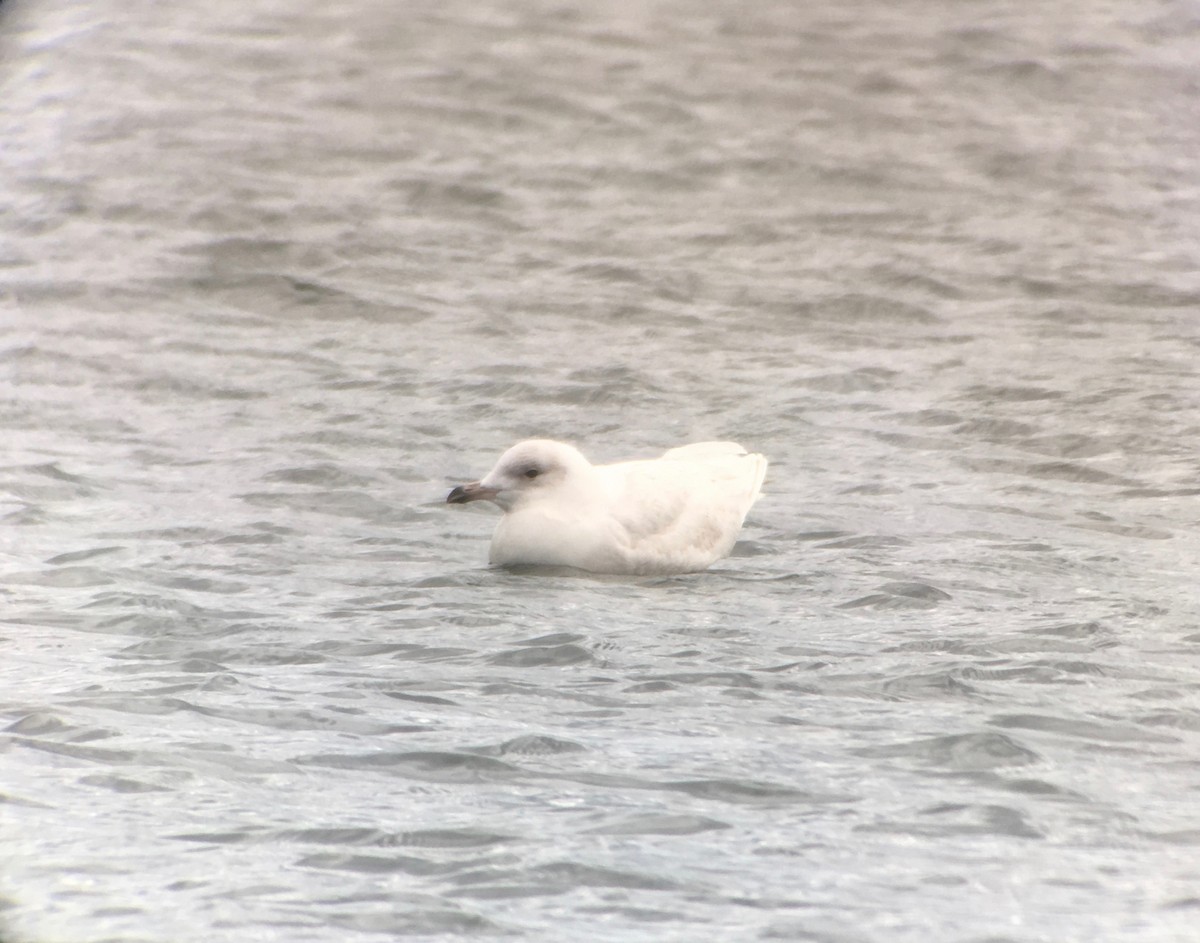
[(677, 513)]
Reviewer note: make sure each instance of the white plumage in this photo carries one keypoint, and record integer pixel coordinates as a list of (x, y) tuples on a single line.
[(673, 514)]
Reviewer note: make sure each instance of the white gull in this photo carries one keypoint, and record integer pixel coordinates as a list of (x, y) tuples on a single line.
[(674, 514)]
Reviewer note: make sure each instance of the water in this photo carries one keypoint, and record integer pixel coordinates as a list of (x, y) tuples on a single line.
[(274, 276)]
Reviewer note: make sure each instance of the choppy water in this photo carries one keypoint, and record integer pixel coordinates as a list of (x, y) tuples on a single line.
[(274, 276)]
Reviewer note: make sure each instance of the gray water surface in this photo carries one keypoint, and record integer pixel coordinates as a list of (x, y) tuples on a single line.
[(273, 276)]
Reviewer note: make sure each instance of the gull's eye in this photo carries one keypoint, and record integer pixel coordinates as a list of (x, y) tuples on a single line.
[(531, 472)]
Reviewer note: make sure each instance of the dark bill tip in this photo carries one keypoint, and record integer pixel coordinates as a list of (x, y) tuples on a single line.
[(474, 491)]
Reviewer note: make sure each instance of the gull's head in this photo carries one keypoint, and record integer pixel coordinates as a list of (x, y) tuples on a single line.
[(530, 468)]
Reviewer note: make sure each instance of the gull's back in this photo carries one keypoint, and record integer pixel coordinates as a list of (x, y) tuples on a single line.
[(683, 511)]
